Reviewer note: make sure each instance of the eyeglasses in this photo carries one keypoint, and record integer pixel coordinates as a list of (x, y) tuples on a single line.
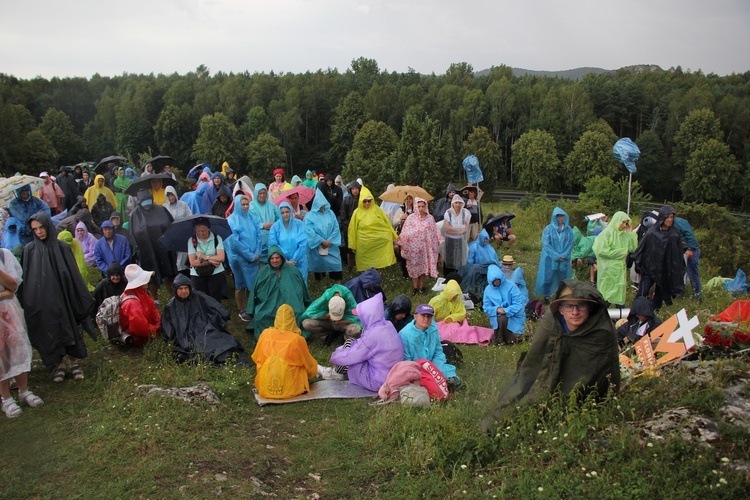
[(580, 306), (366, 201)]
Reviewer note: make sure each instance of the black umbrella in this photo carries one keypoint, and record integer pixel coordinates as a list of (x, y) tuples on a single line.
[(106, 163), (144, 182), (177, 235), (158, 162), (493, 220)]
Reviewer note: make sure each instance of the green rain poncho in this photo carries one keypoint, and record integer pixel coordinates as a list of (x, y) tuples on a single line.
[(75, 247), (582, 245), (271, 289), (611, 248), (319, 308)]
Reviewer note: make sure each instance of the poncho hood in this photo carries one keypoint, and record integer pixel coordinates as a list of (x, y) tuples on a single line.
[(181, 280), (641, 306), (320, 200), (457, 199), (371, 311), (114, 268), (275, 249), (285, 320), (559, 211), (46, 222), (370, 278), (353, 184), (401, 304), (664, 212), (450, 188), (168, 190), (494, 273), (452, 290), (296, 181), (365, 194)]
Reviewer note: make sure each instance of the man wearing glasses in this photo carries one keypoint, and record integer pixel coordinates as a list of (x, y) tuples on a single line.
[(574, 348)]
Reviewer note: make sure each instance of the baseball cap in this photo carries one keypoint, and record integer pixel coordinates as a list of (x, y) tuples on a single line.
[(336, 307), (425, 309)]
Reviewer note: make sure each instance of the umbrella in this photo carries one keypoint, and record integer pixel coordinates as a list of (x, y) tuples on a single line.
[(306, 195), (397, 194), (177, 235), (492, 220), (9, 186), (159, 162), (464, 192), (144, 182), (106, 163)]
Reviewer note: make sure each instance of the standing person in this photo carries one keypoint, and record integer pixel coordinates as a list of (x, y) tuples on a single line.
[(15, 355), (469, 194), (267, 213), (573, 349), (52, 194), (111, 248), (54, 299), (692, 255), (179, 210), (93, 192), (554, 262), (371, 236), (332, 192), (290, 234), (612, 247), (22, 207), (456, 229), (443, 204), (157, 191), (660, 260), (243, 250), (323, 240), (279, 185), (210, 192), (420, 243), (69, 186), (348, 206), (310, 180), (119, 185), (147, 223), (206, 255), (85, 182), (398, 217), (222, 202)]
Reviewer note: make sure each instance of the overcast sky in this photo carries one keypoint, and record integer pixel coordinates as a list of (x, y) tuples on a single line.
[(82, 37)]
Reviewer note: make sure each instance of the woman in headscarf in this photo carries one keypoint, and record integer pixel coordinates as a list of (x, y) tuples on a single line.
[(323, 239), (98, 188), (77, 250), (611, 247), (420, 242), (456, 221), (54, 299), (267, 213), (15, 355), (371, 235), (87, 242), (278, 185), (276, 284), (119, 185), (243, 249), (289, 234), (283, 361), (557, 247)]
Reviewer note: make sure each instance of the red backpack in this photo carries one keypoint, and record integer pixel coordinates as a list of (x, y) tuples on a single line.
[(433, 380)]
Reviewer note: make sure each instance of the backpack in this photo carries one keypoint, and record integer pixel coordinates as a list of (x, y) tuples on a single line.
[(108, 317), (534, 310), (433, 380), (453, 354)]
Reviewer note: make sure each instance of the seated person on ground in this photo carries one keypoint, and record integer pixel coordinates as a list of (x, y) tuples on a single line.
[(399, 312), (366, 285), (449, 304), (139, 318), (283, 362), (641, 321), (421, 341), (481, 252), (369, 358), (196, 324), (331, 315), (505, 307), (112, 285), (503, 231)]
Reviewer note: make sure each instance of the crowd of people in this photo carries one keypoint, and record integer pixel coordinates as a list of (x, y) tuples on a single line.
[(278, 234)]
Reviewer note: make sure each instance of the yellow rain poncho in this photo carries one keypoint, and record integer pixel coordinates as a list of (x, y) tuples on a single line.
[(448, 304), (611, 248), (371, 235), (75, 247), (282, 359), (94, 191)]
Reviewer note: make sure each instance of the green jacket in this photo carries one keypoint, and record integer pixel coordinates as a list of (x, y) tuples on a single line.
[(319, 307), (584, 360)]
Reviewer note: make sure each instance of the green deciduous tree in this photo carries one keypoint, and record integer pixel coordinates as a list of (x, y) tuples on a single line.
[(480, 144), (218, 141), (700, 125), (348, 118), (654, 171), (57, 127), (591, 157), (176, 131), (368, 158), (712, 174), (256, 123), (536, 162), (264, 155), (40, 154)]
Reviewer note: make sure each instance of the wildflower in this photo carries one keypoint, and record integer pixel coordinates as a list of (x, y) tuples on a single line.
[(540, 489), (724, 459), (650, 445), (723, 481), (463, 467), (593, 473)]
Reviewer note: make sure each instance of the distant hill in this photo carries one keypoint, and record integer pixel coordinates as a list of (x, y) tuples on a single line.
[(574, 74)]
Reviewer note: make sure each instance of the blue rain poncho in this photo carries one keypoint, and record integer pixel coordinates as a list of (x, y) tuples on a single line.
[(425, 344), (481, 252), (266, 212), (321, 226), (517, 278), (291, 237), (505, 295), (611, 247), (23, 210), (243, 247), (10, 234), (554, 263)]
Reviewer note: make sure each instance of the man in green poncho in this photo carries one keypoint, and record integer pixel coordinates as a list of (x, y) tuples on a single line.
[(331, 314), (276, 284), (574, 348)]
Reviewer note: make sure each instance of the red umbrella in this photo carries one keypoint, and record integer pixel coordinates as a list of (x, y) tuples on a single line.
[(306, 195)]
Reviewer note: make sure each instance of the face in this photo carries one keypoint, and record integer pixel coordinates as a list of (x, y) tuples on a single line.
[(217, 181), (86, 176), (262, 195), (224, 199), (107, 231), (156, 184), (245, 203), (451, 194), (496, 282), (201, 231), (624, 225), (172, 198), (183, 292), (409, 201), (115, 222), (329, 182), (79, 232), (560, 218), (275, 261), (121, 173), (456, 205), (366, 203), (399, 316), (669, 221), (293, 199), (422, 207), (355, 191), (39, 230), (100, 182), (277, 177), (167, 169), (25, 195), (422, 321), (285, 214), (115, 278), (575, 313)]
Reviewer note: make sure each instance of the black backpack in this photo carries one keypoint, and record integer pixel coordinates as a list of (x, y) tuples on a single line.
[(453, 354)]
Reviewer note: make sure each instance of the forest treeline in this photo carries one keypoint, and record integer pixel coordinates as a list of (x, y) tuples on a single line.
[(535, 133)]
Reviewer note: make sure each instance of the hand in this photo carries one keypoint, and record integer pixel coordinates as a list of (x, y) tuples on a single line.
[(689, 253), (267, 225), (500, 311), (447, 320)]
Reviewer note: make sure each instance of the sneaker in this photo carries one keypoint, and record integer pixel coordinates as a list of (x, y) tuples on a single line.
[(329, 373), (245, 317)]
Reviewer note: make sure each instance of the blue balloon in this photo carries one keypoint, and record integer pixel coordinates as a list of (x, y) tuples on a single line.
[(627, 152)]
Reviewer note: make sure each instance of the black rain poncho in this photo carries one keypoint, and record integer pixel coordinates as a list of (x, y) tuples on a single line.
[(586, 359), (197, 326), (147, 224), (54, 297), (659, 255)]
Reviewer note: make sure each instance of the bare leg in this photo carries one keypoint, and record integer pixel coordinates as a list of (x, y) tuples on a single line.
[(415, 282)]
